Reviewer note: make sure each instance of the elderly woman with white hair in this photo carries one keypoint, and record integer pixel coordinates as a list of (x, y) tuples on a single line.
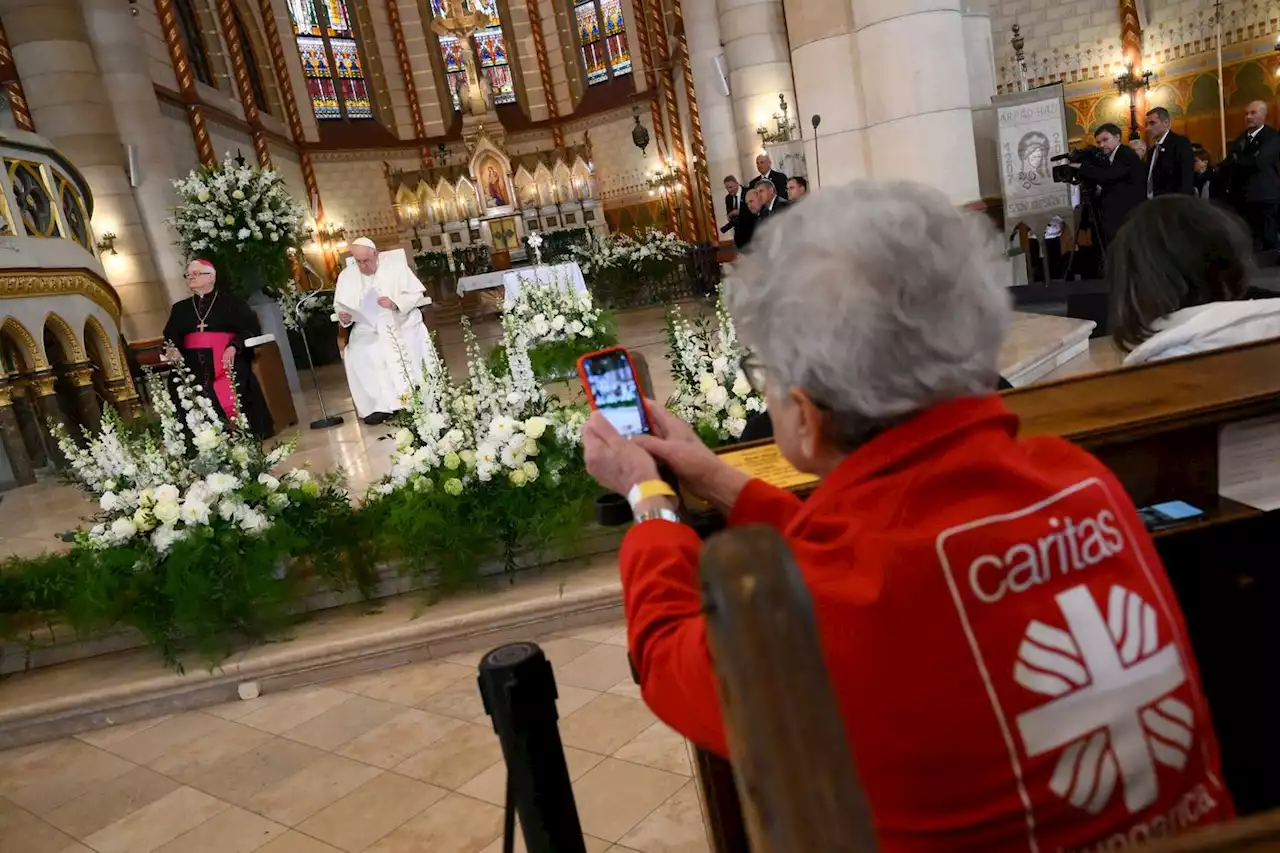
[(1005, 648)]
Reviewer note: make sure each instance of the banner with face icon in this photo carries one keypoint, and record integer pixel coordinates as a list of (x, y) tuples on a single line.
[(1032, 130)]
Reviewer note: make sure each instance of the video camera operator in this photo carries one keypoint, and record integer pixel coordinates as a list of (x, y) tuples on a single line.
[(1118, 176)]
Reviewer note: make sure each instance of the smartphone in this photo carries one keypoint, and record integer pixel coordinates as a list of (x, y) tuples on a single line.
[(610, 381), (1168, 514)]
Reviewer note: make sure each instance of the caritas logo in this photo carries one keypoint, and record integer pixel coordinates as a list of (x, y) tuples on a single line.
[(1077, 648)]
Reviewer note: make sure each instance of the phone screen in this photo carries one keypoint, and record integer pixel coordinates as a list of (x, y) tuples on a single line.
[(614, 390)]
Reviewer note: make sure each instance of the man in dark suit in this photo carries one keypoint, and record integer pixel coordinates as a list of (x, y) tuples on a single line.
[(745, 225), (735, 201), (1120, 176), (770, 202), (1211, 180), (1252, 168), (1170, 158), (764, 165)]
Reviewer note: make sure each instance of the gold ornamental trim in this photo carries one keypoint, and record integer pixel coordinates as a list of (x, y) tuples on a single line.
[(6, 395), (19, 284), (42, 384), (35, 355), (81, 375)]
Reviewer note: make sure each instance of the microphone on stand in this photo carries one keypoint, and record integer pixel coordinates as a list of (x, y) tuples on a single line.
[(817, 162), (327, 420)]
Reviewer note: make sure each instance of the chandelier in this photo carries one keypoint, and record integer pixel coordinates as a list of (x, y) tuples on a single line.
[(785, 129)]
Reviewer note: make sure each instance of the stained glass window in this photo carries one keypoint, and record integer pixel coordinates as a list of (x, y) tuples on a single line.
[(615, 35), (491, 52), (330, 59), (193, 41), (455, 69), (489, 47), (593, 59)]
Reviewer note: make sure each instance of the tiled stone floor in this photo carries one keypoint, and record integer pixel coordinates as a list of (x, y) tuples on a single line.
[(397, 761)]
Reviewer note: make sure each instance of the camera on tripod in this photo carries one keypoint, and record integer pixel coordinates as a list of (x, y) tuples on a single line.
[(1064, 174)]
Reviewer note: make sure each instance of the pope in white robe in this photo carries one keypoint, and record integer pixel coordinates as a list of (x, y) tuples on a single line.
[(378, 298)]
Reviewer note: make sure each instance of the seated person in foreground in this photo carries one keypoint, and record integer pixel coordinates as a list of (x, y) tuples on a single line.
[(1004, 645), (1179, 272)]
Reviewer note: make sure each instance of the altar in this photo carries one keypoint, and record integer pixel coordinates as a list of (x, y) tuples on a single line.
[(513, 279)]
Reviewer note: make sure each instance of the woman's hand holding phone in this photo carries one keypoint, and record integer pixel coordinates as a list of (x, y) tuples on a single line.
[(699, 469)]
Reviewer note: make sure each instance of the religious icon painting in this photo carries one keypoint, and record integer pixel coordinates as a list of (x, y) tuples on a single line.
[(35, 204), (73, 213)]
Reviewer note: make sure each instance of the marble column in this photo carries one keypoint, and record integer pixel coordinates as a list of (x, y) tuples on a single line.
[(49, 412), (28, 424), (915, 86), (88, 409), (754, 34), (121, 54), (69, 104), (980, 60), (824, 57), (15, 448), (702, 31)]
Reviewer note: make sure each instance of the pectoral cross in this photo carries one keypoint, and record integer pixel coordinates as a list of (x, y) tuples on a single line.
[(200, 325)]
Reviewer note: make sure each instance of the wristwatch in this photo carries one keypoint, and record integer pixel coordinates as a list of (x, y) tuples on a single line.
[(658, 515)]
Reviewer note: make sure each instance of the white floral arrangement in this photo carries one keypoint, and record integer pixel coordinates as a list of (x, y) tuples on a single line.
[(551, 313), (297, 305), (239, 216), (599, 252), (712, 393), (493, 427), (197, 471)]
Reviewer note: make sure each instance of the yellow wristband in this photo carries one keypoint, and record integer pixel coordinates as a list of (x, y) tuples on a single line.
[(649, 489)]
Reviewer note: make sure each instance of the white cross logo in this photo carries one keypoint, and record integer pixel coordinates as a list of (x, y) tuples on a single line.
[(1113, 712)]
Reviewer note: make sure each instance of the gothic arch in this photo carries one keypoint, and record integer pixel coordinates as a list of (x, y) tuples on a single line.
[(66, 336), (24, 344), (98, 342), (261, 56)]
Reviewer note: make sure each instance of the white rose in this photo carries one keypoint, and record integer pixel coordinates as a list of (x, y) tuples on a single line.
[(109, 502), (741, 387), (278, 501), (404, 439), (110, 485), (238, 195), (737, 411), (123, 529), (144, 520), (240, 455), (270, 482), (220, 483), (707, 383), (530, 470), (535, 427), (229, 509), (576, 328), (717, 397), (166, 512), (557, 323), (207, 439), (253, 521), (195, 512)]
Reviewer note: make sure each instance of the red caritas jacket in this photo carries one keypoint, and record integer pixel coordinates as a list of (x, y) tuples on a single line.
[(1006, 650)]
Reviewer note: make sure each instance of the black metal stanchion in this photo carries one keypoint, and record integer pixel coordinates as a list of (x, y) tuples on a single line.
[(519, 693), (326, 420)]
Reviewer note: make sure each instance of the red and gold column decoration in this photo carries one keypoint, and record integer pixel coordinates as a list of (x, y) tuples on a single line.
[(544, 71), (1131, 35), (231, 35), (666, 78), (702, 176), (410, 90), (13, 86), (641, 29), (285, 85), (186, 82)]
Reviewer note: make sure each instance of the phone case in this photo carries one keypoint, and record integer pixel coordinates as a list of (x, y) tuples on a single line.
[(635, 377)]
